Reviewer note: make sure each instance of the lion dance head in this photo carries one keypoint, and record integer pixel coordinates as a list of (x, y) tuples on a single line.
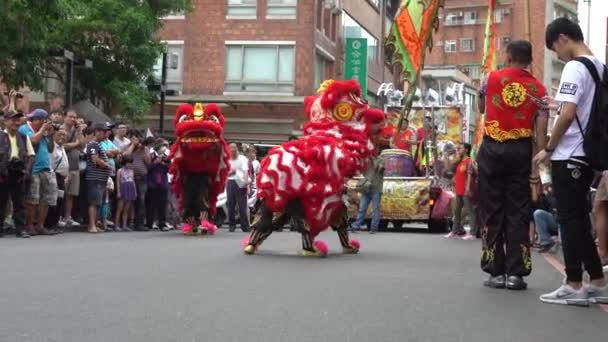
[(200, 149), (340, 111), (342, 132)]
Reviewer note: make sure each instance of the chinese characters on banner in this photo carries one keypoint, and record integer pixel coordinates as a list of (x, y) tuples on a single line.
[(356, 62)]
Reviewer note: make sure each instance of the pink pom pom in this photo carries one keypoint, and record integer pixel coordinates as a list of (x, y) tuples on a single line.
[(321, 247), (355, 244), (186, 228), (211, 229), (245, 241)]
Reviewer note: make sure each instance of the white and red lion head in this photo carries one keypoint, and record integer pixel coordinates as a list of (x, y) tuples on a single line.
[(341, 134), (200, 148)]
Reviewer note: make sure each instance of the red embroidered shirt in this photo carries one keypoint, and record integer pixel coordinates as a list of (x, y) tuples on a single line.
[(509, 111)]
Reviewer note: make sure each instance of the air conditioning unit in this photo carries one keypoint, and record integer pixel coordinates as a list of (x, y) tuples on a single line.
[(506, 11), (432, 97), (454, 94), (460, 14)]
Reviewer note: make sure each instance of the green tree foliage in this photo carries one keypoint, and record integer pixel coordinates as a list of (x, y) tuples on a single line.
[(26, 27), (117, 35)]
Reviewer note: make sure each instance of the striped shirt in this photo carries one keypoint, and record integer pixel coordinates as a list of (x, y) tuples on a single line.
[(139, 165), (94, 172)]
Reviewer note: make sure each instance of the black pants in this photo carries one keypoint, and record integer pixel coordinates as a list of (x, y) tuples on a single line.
[(140, 203), (15, 190), (194, 187), (55, 212), (505, 202), (237, 196), (157, 206), (571, 182)]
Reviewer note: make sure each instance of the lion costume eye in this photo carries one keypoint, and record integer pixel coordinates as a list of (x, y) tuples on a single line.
[(343, 112), (183, 118), (214, 119)]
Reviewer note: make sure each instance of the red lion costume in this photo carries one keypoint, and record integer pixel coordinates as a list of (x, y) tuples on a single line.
[(305, 179), (200, 164)]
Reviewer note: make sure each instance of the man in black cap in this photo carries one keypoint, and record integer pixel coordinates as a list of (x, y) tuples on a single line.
[(98, 171), (16, 157)]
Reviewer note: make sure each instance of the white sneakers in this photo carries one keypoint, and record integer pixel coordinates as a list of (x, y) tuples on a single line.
[(567, 295)]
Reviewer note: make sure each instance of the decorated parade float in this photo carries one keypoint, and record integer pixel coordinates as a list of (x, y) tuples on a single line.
[(412, 190)]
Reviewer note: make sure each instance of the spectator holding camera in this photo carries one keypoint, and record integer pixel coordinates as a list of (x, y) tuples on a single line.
[(16, 157), (42, 192), (73, 145), (140, 154), (158, 186), (120, 140), (56, 117)]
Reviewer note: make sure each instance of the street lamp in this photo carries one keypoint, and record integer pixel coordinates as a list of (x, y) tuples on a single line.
[(71, 61)]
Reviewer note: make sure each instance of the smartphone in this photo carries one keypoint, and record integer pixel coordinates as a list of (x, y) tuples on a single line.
[(537, 100)]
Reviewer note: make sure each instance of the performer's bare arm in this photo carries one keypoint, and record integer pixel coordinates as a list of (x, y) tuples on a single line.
[(540, 137), (481, 104)]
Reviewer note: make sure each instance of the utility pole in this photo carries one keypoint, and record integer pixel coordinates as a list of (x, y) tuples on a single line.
[(588, 21), (163, 91)]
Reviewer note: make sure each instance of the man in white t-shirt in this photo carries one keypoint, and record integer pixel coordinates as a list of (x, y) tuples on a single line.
[(570, 170), (238, 180)]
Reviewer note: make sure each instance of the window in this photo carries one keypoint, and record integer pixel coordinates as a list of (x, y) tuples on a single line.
[(175, 15), (467, 45), (470, 18), (260, 68), (473, 71), (504, 41), (388, 22), (175, 57), (320, 15), (453, 19), (352, 29), (242, 8), (450, 46), (319, 71), (498, 15), (281, 8)]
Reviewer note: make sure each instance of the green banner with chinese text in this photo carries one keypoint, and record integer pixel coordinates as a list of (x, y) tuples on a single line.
[(356, 62)]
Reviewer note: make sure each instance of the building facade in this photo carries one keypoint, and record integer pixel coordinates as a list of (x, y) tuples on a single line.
[(461, 34), (258, 59)]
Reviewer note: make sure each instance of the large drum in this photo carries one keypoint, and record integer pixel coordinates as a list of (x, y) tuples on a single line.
[(398, 163)]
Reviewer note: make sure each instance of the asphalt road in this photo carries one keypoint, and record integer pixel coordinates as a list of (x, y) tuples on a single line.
[(166, 287)]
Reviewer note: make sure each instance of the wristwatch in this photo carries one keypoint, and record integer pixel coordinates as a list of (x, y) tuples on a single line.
[(549, 150)]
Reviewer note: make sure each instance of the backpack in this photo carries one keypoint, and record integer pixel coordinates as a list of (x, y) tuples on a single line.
[(595, 135)]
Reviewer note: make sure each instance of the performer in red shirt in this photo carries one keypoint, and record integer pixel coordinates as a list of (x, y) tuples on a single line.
[(405, 138), (505, 167), (463, 176)]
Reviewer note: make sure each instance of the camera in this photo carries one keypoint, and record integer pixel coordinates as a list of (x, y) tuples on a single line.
[(56, 126), (18, 95)]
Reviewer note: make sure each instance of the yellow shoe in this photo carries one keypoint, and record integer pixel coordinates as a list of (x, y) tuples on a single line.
[(350, 250), (250, 249), (310, 253)]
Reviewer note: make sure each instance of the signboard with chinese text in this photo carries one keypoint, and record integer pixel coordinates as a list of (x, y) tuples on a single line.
[(356, 62)]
